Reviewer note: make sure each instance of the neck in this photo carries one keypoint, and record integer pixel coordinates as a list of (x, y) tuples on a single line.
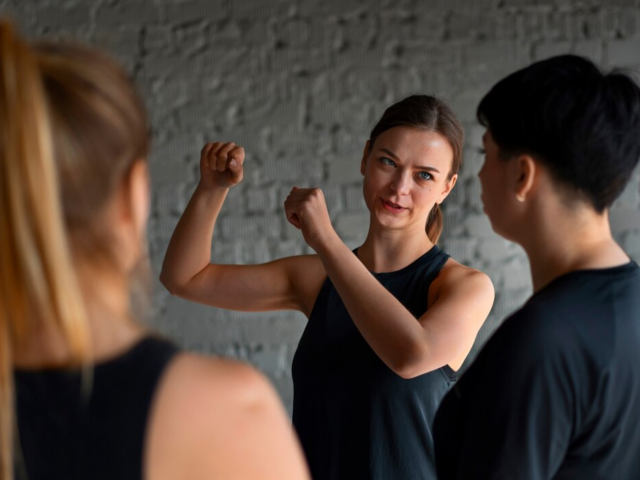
[(389, 250), (562, 240), (111, 331)]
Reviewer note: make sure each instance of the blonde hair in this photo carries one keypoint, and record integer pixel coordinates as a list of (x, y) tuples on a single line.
[(71, 126)]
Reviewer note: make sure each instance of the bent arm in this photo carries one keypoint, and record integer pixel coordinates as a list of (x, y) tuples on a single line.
[(410, 346), (188, 272), (189, 251)]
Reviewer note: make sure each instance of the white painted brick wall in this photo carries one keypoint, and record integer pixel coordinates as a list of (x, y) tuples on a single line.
[(300, 84)]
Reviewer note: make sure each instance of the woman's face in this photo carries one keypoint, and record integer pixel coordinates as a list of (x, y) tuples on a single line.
[(406, 172)]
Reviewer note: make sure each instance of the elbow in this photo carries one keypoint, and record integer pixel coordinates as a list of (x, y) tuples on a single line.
[(408, 371), (411, 365), (168, 283)]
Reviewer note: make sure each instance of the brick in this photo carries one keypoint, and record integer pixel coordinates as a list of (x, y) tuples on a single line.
[(461, 249), (623, 53), (287, 248), (354, 200), (54, 17), (592, 49), (169, 199), (344, 169), (516, 275), (624, 219), (130, 12), (162, 227), (251, 227), (193, 11), (261, 200), (631, 244), (551, 49), (492, 249), (351, 225), (454, 220), (298, 171), (157, 37)]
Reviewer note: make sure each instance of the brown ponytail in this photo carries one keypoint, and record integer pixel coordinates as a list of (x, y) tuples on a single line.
[(434, 223), (427, 113), (70, 126)]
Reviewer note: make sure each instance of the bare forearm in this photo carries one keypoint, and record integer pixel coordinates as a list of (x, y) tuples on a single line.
[(189, 250), (388, 327)]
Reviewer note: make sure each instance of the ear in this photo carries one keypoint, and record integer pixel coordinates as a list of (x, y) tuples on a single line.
[(525, 176), (134, 205), (139, 196), (365, 154), (448, 187)]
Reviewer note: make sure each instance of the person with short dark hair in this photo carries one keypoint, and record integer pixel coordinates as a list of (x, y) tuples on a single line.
[(555, 393), (389, 323)]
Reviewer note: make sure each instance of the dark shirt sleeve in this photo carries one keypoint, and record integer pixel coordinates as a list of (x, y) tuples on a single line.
[(509, 416)]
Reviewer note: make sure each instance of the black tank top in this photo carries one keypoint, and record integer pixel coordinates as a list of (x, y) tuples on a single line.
[(356, 418), (65, 434)]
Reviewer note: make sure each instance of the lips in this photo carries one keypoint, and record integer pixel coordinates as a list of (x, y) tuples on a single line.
[(392, 207)]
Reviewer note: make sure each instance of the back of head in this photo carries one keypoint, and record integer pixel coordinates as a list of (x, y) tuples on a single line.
[(71, 126), (583, 125), (427, 113)]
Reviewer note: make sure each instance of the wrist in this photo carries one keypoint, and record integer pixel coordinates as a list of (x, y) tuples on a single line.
[(327, 243), (210, 193)]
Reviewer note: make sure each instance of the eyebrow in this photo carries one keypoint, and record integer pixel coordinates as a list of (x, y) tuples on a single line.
[(484, 138), (419, 167)]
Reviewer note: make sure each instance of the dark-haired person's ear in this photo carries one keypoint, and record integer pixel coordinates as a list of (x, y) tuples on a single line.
[(525, 174), (365, 154)]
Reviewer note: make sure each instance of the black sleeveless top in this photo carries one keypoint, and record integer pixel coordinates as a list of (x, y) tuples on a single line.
[(67, 434), (356, 418)]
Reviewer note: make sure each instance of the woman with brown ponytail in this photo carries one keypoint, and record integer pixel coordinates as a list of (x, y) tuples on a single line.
[(389, 323), (85, 391)]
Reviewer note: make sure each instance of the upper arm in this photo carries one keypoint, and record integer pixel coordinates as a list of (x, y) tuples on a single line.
[(284, 284), (462, 300), (218, 418)]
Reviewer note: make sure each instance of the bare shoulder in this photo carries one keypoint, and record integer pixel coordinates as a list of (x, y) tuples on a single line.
[(456, 277), (198, 378), (207, 415)]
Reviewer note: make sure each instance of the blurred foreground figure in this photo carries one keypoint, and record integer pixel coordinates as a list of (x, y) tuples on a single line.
[(555, 394), (94, 395)]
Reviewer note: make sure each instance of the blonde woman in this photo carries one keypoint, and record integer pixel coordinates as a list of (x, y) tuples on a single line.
[(93, 394)]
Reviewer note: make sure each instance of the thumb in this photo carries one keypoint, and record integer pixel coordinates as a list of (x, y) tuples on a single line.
[(236, 169)]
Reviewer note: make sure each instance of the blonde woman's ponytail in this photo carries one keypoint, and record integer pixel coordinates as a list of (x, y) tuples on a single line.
[(38, 284)]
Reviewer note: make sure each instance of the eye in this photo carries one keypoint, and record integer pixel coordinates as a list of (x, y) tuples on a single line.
[(387, 161), (425, 175), (482, 151)]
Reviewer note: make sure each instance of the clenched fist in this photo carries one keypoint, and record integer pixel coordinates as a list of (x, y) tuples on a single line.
[(221, 165), (306, 210)]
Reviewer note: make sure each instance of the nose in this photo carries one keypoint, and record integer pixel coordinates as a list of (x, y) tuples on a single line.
[(401, 183)]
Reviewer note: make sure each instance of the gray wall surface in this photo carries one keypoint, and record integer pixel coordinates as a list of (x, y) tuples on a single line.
[(299, 84)]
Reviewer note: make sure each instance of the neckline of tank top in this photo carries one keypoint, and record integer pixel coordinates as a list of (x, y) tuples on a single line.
[(631, 267), (112, 362), (425, 257)]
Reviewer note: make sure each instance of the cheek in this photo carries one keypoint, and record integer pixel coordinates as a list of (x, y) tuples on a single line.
[(367, 192)]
